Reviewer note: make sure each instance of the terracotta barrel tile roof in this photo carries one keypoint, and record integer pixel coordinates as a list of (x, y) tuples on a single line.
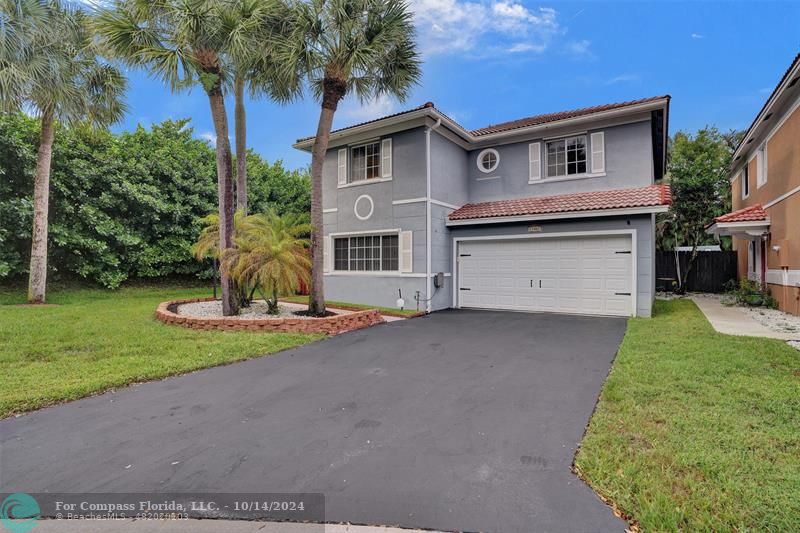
[(513, 124), (754, 213), (561, 115), (654, 195)]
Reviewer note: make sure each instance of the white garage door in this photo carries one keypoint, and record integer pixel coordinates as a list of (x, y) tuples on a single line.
[(587, 275)]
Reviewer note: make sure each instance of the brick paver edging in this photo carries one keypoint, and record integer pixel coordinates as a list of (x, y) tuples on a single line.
[(331, 325)]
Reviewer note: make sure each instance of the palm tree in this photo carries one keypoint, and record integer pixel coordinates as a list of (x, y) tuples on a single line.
[(183, 42), (271, 255), (49, 64), (361, 47), (253, 28)]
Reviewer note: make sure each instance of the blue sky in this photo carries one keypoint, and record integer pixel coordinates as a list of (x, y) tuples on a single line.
[(496, 60)]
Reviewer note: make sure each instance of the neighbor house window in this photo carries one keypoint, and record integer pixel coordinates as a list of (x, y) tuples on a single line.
[(566, 157), (366, 253), (746, 181), (365, 162)]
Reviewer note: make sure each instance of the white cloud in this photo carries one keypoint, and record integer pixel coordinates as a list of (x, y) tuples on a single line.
[(526, 47), (579, 48), (208, 136), (354, 111), (463, 26), (698, 36), (623, 78)]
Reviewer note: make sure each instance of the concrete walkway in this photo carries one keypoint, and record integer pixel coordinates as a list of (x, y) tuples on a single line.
[(735, 321), (204, 526)]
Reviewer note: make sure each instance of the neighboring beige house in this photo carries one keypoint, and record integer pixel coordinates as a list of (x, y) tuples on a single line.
[(765, 182)]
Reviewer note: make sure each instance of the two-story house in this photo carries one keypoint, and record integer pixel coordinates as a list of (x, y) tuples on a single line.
[(551, 213), (765, 186)]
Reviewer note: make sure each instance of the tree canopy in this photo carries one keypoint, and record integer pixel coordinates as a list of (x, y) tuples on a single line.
[(123, 206), (698, 173)]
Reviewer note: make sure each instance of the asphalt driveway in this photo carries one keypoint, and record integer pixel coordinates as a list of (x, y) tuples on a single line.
[(462, 420)]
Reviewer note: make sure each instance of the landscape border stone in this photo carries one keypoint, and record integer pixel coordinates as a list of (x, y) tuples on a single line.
[(332, 325)]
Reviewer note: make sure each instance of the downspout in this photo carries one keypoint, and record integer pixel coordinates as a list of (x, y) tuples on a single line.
[(428, 247)]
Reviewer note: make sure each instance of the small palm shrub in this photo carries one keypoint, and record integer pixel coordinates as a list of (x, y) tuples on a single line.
[(270, 255), (749, 293)]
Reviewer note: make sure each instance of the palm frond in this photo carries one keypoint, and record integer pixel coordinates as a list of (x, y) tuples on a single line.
[(271, 253)]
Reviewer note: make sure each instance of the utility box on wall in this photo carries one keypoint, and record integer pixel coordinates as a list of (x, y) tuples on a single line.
[(781, 249)]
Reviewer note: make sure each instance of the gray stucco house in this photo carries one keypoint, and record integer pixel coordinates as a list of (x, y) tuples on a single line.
[(551, 213)]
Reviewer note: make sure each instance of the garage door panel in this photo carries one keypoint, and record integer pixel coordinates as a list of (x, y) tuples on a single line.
[(567, 275)]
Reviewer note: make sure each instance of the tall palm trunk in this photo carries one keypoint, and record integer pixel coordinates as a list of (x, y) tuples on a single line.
[(240, 125), (37, 281), (230, 304), (334, 91)]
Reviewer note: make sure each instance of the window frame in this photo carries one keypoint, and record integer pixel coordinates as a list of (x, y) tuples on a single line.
[(745, 178), (565, 140), (479, 160), (380, 248), (352, 167)]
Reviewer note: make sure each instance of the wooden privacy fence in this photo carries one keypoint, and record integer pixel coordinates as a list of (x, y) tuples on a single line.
[(710, 272)]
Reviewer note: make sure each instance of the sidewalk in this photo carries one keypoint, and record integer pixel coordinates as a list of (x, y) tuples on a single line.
[(734, 321), (204, 526)]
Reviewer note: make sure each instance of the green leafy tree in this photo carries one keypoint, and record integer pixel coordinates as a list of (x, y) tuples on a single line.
[(271, 255), (361, 47), (184, 43), (698, 173), (275, 187), (49, 63), (122, 206)]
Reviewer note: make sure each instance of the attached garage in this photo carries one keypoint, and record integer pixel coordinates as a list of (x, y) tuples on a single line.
[(590, 274)]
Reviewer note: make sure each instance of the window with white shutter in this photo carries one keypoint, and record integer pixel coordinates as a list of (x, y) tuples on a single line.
[(598, 152), (406, 251), (534, 161), (342, 166), (386, 158), (761, 166), (327, 256)]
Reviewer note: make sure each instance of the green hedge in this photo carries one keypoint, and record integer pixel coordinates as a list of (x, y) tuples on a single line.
[(123, 206)]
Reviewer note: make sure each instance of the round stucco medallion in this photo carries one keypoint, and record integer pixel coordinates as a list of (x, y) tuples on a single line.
[(363, 207)]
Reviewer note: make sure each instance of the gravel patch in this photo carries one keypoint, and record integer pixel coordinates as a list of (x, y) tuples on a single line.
[(794, 344), (257, 309), (660, 295), (775, 320)]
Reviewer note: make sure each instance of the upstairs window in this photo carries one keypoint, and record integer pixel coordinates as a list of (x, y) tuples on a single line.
[(746, 181), (566, 157), (365, 162)]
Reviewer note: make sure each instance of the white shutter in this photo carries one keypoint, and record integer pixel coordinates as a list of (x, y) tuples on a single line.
[(342, 166), (598, 152), (761, 166), (406, 251), (327, 254), (534, 161), (759, 169), (386, 158)]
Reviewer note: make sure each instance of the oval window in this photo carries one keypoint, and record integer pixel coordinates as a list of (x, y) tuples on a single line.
[(488, 160)]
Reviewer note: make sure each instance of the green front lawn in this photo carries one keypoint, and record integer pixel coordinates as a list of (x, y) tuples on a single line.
[(95, 340), (697, 431)]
